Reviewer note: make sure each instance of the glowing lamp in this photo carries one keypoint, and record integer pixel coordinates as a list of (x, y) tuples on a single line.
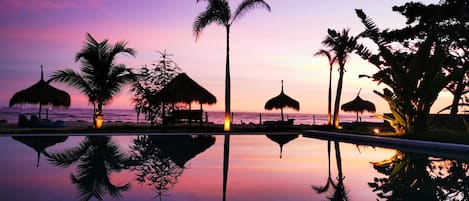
[(376, 131), (99, 119), (227, 122)]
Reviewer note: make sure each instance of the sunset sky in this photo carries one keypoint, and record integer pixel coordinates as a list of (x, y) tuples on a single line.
[(266, 47)]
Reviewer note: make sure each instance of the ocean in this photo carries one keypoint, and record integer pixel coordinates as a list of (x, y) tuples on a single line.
[(85, 114)]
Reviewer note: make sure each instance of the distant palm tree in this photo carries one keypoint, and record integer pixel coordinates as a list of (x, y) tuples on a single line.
[(219, 12), (332, 59), (341, 45), (100, 78)]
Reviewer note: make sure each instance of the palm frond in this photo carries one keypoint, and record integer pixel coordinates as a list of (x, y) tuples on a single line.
[(371, 30), (216, 12), (331, 58), (248, 5)]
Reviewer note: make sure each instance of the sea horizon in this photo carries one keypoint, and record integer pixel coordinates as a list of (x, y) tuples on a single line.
[(128, 115)]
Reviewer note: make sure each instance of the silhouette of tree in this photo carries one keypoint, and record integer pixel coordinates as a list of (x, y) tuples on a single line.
[(96, 158), (449, 21), (412, 69), (152, 167), (151, 81), (159, 161), (219, 12), (341, 45), (453, 178), (100, 78), (332, 59), (411, 176)]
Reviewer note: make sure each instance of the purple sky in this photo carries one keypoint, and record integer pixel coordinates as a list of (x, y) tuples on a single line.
[(266, 47)]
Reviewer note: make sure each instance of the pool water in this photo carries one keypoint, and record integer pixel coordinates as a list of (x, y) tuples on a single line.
[(189, 167)]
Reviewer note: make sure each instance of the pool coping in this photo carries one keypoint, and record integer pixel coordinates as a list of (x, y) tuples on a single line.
[(437, 149)]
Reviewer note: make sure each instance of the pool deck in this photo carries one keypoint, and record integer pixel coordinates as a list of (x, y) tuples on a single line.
[(437, 149)]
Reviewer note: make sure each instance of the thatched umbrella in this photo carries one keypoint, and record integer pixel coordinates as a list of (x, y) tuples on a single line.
[(358, 105), (281, 101), (182, 89), (40, 143), (281, 139), (41, 93)]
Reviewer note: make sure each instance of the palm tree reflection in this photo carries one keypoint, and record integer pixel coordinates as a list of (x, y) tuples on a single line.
[(96, 158), (159, 161), (339, 189), (413, 176)]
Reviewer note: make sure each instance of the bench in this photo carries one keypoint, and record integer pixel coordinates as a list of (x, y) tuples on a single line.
[(182, 116)]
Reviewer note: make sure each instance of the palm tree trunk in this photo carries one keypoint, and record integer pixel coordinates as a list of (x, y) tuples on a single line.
[(329, 98), (227, 80), (337, 96)]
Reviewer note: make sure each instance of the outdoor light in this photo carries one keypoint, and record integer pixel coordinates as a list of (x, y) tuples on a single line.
[(376, 131), (227, 123), (99, 118)]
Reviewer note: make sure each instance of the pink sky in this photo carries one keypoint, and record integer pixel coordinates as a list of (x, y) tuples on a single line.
[(266, 47)]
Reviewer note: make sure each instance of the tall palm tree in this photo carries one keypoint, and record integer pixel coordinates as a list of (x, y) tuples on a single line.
[(100, 78), (219, 12), (341, 45), (332, 59)]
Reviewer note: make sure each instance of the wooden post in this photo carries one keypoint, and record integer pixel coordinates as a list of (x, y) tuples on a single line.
[(260, 119)]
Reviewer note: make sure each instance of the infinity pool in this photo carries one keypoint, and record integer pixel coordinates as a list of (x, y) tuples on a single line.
[(191, 168)]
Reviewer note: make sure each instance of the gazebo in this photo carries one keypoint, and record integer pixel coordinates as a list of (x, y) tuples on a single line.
[(182, 89)]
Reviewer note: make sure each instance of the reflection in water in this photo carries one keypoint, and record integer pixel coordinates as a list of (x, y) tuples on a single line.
[(281, 139), (96, 157), (419, 177), (339, 189), (226, 158), (40, 143), (159, 161)]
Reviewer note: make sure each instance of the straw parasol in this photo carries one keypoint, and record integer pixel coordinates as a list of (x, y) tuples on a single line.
[(40, 143), (281, 139), (281, 101), (182, 89), (358, 105), (41, 93)]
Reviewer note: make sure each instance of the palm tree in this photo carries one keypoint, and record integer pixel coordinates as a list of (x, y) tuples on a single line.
[(219, 12), (341, 45), (332, 59), (100, 78)]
